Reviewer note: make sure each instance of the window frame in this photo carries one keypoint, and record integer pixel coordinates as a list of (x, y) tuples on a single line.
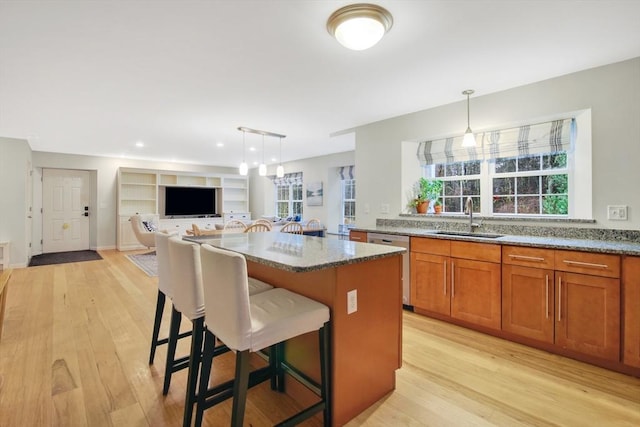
[(292, 202), (343, 185)]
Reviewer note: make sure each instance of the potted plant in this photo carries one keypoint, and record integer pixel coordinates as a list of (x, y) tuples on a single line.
[(433, 188), (420, 199)]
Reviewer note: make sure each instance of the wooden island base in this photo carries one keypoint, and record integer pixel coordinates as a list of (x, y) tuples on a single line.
[(366, 345)]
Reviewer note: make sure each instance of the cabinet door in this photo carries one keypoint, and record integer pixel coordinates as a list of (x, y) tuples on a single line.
[(475, 292), (527, 302), (631, 280), (430, 283), (588, 314)]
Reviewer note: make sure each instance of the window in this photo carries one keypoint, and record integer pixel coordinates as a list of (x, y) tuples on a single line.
[(348, 188), (531, 185), (461, 180), (289, 195), (348, 201), (526, 171)]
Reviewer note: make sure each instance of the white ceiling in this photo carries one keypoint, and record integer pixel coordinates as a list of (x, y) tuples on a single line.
[(94, 77)]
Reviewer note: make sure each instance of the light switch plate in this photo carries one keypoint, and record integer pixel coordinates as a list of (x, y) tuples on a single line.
[(384, 208), (352, 301), (617, 212)]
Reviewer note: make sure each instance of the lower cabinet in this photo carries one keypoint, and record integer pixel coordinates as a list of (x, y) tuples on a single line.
[(631, 280), (447, 280), (567, 298)]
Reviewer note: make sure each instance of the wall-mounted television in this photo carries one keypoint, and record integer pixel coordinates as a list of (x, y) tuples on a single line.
[(190, 201)]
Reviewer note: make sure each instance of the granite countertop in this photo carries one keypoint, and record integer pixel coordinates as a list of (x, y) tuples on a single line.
[(297, 253), (586, 245)]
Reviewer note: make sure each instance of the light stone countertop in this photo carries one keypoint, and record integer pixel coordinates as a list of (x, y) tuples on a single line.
[(297, 253), (586, 245)]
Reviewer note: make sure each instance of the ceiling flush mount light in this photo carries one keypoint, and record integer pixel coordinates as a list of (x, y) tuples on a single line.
[(469, 140), (359, 26), (262, 169), (244, 167)]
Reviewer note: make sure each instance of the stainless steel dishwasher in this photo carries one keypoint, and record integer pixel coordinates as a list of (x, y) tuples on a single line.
[(403, 242)]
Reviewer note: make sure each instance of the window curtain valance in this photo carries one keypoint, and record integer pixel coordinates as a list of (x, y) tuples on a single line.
[(288, 178), (347, 172), (548, 137), (446, 150)]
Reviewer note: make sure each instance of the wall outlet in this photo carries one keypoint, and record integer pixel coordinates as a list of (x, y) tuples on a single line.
[(617, 212), (352, 301)]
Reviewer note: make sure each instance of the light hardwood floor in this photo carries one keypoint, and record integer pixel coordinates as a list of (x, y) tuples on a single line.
[(76, 339)]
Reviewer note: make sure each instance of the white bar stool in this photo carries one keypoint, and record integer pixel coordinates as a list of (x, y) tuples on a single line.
[(250, 323)]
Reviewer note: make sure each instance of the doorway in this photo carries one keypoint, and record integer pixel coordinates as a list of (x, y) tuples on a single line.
[(65, 210)]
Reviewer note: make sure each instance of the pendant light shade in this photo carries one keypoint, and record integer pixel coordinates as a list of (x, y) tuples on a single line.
[(359, 26), (469, 139), (280, 168), (262, 169), (244, 167)]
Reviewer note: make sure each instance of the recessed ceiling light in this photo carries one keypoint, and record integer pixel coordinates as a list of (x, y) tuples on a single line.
[(220, 144), (273, 159), (255, 163), (139, 144), (252, 148)]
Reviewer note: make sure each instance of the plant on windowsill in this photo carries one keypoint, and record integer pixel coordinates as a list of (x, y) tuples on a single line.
[(433, 192), (420, 200)]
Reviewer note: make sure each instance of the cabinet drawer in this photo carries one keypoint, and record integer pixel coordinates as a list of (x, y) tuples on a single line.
[(588, 263), (476, 251), (431, 246), (528, 257), (358, 236)]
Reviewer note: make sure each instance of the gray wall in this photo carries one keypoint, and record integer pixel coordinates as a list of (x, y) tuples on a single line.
[(323, 169), (104, 195), (612, 93), (15, 164)]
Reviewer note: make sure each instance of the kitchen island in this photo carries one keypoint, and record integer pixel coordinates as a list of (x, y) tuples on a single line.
[(366, 334)]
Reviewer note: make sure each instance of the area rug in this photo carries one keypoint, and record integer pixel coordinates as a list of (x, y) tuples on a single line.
[(146, 262), (64, 257)]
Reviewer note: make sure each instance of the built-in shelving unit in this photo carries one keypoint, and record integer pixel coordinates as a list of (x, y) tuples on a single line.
[(142, 191)]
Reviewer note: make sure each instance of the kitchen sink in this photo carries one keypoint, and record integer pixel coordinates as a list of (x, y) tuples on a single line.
[(468, 234)]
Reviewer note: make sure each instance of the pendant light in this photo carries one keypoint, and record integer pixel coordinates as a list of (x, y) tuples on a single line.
[(359, 26), (280, 168), (469, 140), (244, 168), (262, 169)]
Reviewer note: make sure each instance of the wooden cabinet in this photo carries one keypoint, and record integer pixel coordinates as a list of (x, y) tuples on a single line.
[(358, 236), (631, 289), (588, 303), (588, 314), (528, 292), (568, 298), (457, 279)]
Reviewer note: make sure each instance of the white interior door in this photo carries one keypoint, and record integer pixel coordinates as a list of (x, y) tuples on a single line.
[(29, 209), (65, 210)]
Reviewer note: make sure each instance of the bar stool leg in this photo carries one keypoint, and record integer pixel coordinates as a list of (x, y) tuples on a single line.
[(240, 385), (194, 368), (325, 373), (205, 372), (174, 330), (156, 325)]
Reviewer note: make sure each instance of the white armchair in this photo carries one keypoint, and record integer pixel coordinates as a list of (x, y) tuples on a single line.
[(145, 236)]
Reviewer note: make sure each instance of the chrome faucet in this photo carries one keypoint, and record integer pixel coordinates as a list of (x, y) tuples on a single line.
[(468, 209)]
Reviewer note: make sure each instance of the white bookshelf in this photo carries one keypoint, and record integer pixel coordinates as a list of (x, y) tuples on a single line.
[(142, 191)]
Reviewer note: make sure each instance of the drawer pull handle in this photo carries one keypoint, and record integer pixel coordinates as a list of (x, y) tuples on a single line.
[(585, 264), (527, 258)]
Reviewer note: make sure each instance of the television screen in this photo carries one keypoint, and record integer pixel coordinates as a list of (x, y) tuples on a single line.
[(190, 201)]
